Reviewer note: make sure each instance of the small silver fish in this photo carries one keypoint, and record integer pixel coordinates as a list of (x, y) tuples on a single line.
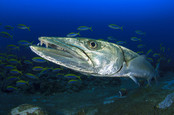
[(135, 39), (114, 26), (23, 27), (81, 28), (73, 34)]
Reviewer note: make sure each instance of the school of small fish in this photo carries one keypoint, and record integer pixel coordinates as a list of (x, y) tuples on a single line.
[(15, 75)]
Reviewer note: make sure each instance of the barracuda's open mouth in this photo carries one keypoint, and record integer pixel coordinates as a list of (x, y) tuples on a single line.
[(63, 54), (58, 49)]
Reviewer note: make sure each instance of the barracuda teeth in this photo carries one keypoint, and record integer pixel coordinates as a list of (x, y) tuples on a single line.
[(41, 43), (46, 45), (60, 48)]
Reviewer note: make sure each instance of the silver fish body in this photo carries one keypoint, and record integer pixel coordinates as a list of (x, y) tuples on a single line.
[(95, 57)]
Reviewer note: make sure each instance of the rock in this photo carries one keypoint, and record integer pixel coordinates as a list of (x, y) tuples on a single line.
[(26, 109), (167, 102)]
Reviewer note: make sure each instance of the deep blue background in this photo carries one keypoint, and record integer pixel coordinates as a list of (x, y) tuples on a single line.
[(60, 17)]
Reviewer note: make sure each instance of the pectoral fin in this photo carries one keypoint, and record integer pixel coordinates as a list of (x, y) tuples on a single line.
[(134, 79)]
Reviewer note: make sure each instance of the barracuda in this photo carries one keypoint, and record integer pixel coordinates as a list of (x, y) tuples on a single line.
[(95, 57)]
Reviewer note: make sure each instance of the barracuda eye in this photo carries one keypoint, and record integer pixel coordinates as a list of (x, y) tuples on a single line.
[(92, 44)]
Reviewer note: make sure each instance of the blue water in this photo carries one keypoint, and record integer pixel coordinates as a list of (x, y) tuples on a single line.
[(60, 17)]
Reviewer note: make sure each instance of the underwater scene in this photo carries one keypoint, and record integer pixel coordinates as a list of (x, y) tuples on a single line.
[(86, 57)]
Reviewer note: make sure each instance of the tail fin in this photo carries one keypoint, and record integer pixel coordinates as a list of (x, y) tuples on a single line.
[(91, 28), (28, 28), (121, 28), (78, 33)]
